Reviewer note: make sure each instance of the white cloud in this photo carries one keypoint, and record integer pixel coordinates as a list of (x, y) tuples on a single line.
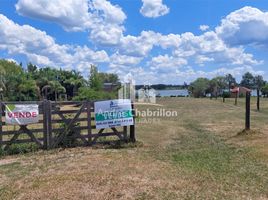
[(163, 62), (100, 17), (42, 49), (201, 59), (111, 13), (72, 15), (139, 46), (203, 27), (153, 8), (225, 46), (122, 61), (247, 25), (209, 45)]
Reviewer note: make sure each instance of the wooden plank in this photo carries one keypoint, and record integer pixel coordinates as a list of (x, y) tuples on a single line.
[(82, 137), (31, 135), (69, 126), (37, 130), (19, 141), (60, 120), (64, 103), (96, 136), (117, 134), (66, 111), (105, 134), (79, 128), (13, 139), (5, 124)]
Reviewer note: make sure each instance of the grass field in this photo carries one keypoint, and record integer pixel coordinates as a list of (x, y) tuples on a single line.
[(196, 155)]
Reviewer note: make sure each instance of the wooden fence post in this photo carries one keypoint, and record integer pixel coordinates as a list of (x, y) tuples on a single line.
[(258, 99), (1, 126), (47, 124), (132, 127), (236, 96), (248, 111), (89, 129)]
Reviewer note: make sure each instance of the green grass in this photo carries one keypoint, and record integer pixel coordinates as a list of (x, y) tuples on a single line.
[(196, 155), (207, 155)]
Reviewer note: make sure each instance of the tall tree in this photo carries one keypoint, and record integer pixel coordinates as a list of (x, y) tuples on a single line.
[(95, 82), (199, 87), (248, 81), (259, 83), (57, 88), (2, 82), (230, 80), (217, 85)]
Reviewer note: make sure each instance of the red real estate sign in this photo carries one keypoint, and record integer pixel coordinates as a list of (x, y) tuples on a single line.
[(22, 114)]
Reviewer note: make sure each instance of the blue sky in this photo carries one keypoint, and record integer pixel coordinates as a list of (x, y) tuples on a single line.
[(154, 41)]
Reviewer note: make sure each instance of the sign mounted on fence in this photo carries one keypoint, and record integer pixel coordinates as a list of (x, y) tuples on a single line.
[(113, 113), (22, 114)]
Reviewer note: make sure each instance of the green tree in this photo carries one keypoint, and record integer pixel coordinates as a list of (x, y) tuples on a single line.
[(264, 90), (230, 80), (109, 78), (199, 87), (95, 82), (57, 89), (248, 80), (259, 83), (28, 90), (75, 81), (2, 82)]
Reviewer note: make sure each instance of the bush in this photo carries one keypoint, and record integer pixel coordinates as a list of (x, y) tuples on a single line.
[(85, 93), (226, 95), (21, 148), (69, 139)]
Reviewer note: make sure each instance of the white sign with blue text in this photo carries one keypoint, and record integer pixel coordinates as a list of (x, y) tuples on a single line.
[(113, 113)]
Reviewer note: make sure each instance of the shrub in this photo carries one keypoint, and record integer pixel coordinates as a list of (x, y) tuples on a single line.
[(226, 95), (21, 148), (85, 93)]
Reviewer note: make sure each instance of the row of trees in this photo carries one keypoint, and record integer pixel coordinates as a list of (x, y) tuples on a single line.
[(19, 84), (222, 85)]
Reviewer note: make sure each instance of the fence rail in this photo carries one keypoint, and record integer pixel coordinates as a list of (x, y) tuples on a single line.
[(58, 120)]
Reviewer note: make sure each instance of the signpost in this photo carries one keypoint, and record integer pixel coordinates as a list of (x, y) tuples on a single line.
[(113, 113), (22, 114)]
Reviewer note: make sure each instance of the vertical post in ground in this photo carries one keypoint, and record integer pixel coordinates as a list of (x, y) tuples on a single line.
[(258, 99), (236, 96), (248, 110), (125, 133), (89, 129), (49, 117), (45, 128), (47, 124), (1, 126), (132, 127)]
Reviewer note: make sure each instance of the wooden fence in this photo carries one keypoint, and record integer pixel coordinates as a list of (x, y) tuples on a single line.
[(58, 120)]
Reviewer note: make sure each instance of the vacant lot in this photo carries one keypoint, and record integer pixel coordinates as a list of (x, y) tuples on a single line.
[(196, 155)]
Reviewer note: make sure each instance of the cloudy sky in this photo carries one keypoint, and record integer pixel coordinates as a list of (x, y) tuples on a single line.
[(156, 41)]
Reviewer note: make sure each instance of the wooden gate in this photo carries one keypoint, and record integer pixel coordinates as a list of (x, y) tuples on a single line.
[(59, 121)]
